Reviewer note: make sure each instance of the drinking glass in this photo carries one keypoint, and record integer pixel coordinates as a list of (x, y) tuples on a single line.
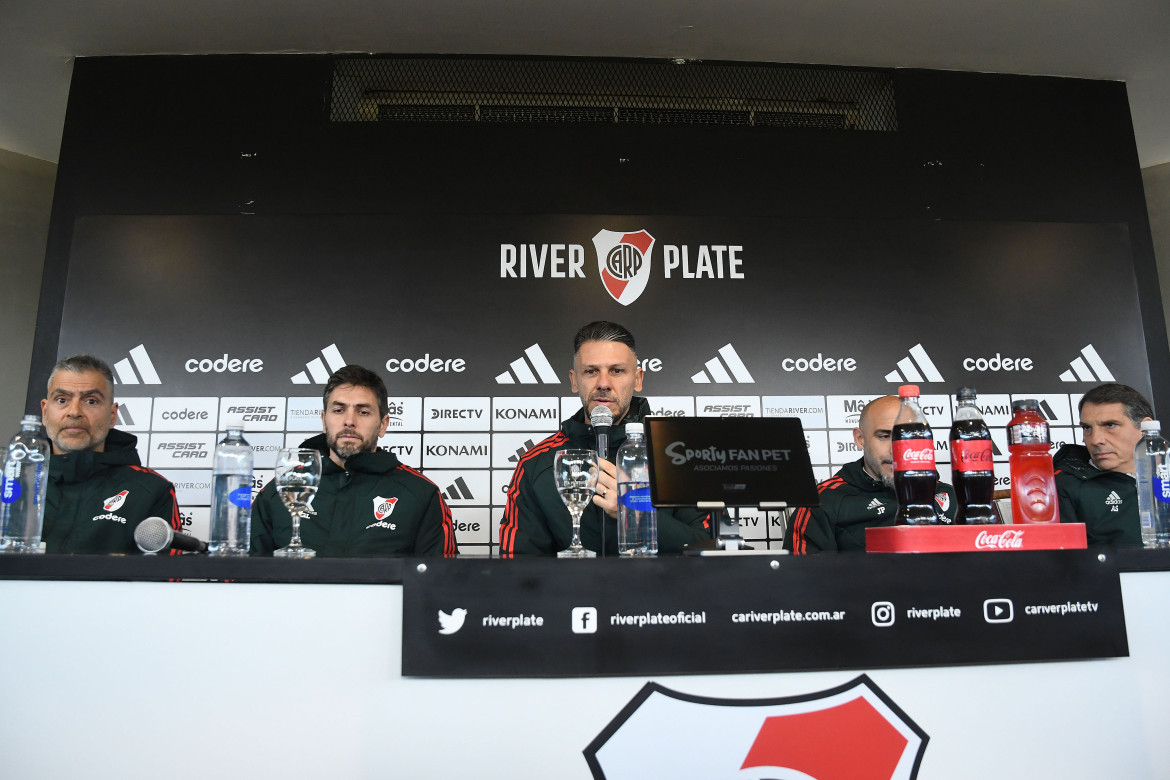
[(298, 473), (575, 473)]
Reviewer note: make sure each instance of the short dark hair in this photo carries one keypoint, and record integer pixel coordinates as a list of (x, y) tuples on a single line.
[(79, 364), (603, 330), (358, 377), (1137, 408)]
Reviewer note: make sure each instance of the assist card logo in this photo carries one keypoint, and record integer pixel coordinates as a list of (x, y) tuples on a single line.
[(623, 261)]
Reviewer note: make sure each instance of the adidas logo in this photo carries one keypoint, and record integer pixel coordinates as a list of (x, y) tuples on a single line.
[(458, 490), (528, 444), (316, 369), (1087, 368), (878, 505), (717, 371), (1113, 499), (1046, 411), (124, 372), (910, 366), (522, 370), (125, 419)]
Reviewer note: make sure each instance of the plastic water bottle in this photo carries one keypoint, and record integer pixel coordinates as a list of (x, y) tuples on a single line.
[(1151, 459), (1033, 484), (22, 489), (637, 522), (231, 495), (972, 469)]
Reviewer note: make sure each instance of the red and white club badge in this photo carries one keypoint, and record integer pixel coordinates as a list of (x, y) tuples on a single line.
[(623, 261), (383, 507), (116, 501), (852, 732)]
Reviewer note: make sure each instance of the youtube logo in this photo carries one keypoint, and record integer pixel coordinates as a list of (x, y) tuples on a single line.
[(998, 611)]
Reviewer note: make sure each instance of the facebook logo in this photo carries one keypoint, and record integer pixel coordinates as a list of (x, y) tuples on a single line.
[(584, 620)]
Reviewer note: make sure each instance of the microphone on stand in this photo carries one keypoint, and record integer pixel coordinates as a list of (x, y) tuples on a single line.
[(602, 420), (154, 535)]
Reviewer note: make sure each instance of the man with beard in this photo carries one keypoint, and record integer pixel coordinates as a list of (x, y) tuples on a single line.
[(605, 372), (1095, 482), (98, 491), (860, 495), (368, 503)]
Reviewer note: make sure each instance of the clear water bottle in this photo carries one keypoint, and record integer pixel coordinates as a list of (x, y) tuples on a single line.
[(637, 523), (22, 489), (1151, 459), (231, 495)]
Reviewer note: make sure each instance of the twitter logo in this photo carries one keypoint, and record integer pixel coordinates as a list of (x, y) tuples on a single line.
[(449, 624)]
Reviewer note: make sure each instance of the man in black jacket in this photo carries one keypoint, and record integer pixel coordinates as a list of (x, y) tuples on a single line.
[(1095, 482), (368, 504), (605, 373), (98, 491)]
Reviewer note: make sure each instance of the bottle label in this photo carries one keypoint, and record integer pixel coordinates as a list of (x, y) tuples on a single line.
[(9, 490), (637, 499), (1161, 482), (914, 455), (971, 455), (241, 497), (1028, 433)]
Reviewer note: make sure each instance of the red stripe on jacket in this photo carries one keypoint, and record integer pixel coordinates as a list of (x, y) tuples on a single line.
[(511, 516)]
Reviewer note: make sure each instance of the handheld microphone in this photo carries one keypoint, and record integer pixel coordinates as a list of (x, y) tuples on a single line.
[(154, 535), (601, 418)]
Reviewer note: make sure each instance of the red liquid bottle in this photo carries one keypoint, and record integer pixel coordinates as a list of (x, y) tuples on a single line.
[(915, 477), (1033, 485), (972, 467)]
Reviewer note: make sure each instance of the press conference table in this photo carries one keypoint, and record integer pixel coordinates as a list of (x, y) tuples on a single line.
[(264, 668)]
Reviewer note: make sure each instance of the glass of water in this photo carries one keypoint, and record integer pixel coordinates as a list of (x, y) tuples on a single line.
[(575, 473), (298, 473)]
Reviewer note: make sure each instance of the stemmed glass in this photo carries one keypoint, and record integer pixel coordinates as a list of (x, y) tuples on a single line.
[(575, 473), (298, 473)]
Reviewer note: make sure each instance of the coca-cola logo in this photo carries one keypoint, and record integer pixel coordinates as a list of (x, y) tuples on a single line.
[(1004, 540)]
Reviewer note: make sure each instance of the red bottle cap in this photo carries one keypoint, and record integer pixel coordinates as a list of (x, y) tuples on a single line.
[(908, 391)]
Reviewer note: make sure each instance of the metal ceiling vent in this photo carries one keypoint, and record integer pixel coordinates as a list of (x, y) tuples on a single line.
[(575, 91)]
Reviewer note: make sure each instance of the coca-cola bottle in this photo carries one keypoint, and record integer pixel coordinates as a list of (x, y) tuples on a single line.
[(915, 477), (1034, 497), (972, 468)]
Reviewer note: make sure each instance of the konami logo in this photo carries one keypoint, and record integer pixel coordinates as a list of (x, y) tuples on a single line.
[(785, 736)]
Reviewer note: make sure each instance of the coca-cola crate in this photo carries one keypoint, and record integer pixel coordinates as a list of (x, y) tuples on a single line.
[(972, 538)]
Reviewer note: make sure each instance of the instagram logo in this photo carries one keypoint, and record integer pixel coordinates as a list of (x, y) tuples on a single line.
[(882, 614)]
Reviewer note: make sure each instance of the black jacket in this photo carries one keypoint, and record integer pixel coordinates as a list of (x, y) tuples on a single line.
[(1105, 501), (374, 507), (852, 501), (95, 500), (536, 521)]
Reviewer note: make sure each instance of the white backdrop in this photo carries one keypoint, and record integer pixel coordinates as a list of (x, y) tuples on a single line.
[(195, 680)]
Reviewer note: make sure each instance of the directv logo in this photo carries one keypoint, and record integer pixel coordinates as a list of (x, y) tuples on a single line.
[(910, 371), (523, 372), (723, 371), (1089, 369), (317, 370), (124, 373)]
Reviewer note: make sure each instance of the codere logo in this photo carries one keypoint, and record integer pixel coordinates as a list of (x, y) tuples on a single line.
[(623, 262), (1089, 369), (522, 372), (316, 368), (910, 372), (124, 373), (730, 369)]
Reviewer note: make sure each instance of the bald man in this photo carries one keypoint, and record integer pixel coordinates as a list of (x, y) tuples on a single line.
[(860, 495)]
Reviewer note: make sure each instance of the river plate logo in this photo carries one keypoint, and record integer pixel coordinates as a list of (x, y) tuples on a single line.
[(623, 261), (754, 739)]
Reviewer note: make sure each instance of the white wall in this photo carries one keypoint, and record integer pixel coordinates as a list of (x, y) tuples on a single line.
[(26, 199)]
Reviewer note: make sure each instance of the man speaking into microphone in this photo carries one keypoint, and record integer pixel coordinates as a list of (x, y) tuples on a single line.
[(605, 375)]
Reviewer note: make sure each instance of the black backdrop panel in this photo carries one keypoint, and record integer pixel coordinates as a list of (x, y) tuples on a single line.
[(282, 288)]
